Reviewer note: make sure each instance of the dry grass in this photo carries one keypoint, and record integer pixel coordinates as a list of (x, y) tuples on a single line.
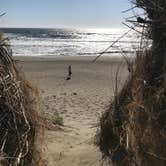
[(133, 130), (18, 111)]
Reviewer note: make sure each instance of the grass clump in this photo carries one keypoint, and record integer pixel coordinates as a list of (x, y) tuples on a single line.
[(133, 130), (19, 108), (57, 119)]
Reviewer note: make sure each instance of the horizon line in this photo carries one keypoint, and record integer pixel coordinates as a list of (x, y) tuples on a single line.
[(63, 27)]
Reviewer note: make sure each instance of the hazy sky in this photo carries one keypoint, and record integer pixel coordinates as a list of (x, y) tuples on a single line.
[(63, 13)]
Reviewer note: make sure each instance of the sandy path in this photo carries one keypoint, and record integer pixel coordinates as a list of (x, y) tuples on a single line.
[(75, 143), (80, 101)]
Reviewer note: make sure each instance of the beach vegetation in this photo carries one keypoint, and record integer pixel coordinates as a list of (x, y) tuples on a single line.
[(19, 108), (133, 130), (57, 119)]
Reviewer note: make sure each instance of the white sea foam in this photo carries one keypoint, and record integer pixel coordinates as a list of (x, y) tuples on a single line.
[(38, 42)]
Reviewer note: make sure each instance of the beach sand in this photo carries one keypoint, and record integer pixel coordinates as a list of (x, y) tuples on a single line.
[(80, 101)]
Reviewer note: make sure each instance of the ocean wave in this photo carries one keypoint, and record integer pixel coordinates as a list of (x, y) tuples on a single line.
[(67, 42)]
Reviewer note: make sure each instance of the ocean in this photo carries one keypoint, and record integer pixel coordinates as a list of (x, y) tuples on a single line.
[(69, 42)]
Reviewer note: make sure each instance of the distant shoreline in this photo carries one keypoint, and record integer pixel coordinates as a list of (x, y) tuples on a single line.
[(69, 58), (66, 42)]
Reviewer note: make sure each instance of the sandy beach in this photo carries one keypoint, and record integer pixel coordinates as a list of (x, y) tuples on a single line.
[(80, 101)]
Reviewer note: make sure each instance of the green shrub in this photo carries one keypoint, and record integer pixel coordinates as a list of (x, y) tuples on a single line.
[(57, 119)]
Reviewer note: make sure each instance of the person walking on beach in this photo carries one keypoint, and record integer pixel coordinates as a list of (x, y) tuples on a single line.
[(69, 73)]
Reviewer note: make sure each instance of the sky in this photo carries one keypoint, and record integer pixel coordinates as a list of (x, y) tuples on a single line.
[(63, 13)]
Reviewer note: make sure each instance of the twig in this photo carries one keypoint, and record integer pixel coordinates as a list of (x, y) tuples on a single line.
[(125, 11), (2, 14), (156, 156), (133, 28), (113, 44)]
